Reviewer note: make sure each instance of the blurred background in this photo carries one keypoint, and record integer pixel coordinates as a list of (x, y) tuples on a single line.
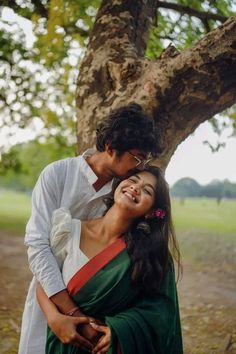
[(40, 52)]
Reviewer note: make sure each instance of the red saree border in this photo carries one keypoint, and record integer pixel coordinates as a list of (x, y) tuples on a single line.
[(95, 264)]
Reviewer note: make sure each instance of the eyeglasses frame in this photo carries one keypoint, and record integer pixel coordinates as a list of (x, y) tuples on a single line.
[(139, 160)]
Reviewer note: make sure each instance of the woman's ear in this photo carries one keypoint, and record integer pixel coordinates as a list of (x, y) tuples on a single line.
[(150, 214)]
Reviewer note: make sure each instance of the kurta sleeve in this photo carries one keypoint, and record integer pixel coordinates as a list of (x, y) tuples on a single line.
[(60, 234), (45, 199)]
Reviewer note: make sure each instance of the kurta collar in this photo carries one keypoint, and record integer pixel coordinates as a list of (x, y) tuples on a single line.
[(92, 177)]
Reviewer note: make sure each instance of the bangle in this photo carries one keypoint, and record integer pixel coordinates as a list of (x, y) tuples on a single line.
[(72, 311)]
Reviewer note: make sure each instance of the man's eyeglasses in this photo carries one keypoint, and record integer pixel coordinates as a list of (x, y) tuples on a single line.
[(139, 160)]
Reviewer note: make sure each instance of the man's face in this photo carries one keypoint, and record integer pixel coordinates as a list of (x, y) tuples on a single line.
[(129, 162)]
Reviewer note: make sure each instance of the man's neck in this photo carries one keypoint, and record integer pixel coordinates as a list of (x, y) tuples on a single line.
[(97, 162)]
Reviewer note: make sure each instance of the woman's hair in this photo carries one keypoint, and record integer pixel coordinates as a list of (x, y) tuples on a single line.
[(151, 241)]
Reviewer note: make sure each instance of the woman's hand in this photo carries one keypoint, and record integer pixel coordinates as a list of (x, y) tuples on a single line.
[(65, 328), (104, 342), (86, 330)]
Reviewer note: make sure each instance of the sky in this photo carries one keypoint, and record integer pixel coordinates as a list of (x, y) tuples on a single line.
[(195, 159), (191, 159)]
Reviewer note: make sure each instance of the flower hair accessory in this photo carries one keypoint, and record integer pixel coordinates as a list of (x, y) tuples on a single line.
[(159, 213)]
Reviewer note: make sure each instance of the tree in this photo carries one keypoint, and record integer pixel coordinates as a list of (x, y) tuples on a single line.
[(186, 187), (181, 88)]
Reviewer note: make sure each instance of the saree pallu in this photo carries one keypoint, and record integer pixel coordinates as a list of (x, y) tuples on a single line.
[(139, 325)]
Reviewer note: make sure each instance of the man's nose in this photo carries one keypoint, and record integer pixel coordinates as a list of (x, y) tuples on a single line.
[(141, 166)]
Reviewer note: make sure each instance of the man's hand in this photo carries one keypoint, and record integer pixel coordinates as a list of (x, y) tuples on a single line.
[(65, 328)]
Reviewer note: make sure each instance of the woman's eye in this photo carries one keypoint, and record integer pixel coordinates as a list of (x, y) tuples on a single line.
[(147, 191)]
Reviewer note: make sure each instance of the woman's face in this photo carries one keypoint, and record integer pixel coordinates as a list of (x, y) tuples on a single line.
[(137, 193)]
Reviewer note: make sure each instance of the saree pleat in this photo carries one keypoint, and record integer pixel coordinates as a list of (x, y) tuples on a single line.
[(139, 325)]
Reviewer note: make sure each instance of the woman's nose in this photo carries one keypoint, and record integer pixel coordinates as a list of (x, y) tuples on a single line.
[(135, 188)]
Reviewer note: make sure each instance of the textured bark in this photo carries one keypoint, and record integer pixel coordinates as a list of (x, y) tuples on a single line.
[(179, 90)]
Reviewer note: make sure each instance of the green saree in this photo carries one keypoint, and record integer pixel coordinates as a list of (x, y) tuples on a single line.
[(139, 325)]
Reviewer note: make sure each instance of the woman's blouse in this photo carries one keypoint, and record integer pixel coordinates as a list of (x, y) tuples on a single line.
[(65, 243)]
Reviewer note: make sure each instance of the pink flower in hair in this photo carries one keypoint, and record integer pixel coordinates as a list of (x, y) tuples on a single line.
[(159, 213)]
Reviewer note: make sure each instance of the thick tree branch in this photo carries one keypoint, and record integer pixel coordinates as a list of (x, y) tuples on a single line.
[(194, 85), (202, 15), (180, 90), (124, 20), (116, 46)]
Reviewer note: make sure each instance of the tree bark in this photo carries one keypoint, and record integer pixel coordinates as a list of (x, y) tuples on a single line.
[(179, 90)]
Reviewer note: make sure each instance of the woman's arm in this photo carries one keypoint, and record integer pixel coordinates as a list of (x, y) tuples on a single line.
[(65, 327)]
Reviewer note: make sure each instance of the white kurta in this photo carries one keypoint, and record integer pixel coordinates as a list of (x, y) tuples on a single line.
[(65, 183)]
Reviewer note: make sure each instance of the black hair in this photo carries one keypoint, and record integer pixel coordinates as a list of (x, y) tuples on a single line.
[(151, 242), (128, 128)]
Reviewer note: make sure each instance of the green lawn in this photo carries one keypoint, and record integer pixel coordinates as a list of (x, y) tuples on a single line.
[(206, 231), (14, 211), (205, 215), (199, 215)]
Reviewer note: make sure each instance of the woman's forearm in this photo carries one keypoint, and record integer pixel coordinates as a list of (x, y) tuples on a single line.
[(60, 301), (56, 320), (47, 306)]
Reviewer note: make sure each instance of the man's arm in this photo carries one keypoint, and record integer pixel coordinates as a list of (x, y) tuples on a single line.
[(45, 199), (64, 327)]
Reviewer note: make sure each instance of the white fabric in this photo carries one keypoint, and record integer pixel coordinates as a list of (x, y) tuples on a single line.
[(65, 183), (65, 243)]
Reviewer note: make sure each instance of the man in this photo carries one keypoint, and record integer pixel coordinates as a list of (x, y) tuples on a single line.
[(125, 139)]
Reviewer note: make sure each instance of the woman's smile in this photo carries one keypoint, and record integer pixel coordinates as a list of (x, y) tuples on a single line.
[(132, 196)]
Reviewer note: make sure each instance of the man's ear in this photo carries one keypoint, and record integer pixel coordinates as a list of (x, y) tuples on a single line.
[(109, 149)]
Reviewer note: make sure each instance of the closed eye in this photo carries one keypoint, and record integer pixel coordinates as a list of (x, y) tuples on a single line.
[(149, 192)]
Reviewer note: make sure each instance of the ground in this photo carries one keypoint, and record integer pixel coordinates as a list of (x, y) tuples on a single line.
[(207, 301)]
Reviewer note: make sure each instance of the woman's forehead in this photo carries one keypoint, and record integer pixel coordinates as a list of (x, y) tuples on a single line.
[(146, 177)]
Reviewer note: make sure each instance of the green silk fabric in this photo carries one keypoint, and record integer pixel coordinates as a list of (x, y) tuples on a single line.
[(141, 325)]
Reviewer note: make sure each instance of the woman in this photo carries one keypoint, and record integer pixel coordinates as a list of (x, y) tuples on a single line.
[(119, 270)]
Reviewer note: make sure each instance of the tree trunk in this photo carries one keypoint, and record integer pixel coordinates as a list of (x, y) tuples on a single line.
[(179, 90)]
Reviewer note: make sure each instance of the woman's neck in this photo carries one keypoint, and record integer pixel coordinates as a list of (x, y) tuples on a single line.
[(111, 226)]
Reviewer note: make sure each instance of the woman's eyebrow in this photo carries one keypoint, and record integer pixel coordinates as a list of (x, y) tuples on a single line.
[(147, 184)]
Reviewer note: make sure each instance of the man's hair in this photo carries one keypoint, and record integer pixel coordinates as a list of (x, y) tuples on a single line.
[(128, 128)]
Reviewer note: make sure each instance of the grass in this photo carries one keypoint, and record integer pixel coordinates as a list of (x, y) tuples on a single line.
[(198, 216), (206, 231), (14, 211), (205, 215)]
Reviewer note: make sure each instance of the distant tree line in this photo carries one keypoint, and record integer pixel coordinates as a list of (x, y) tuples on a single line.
[(22, 164), (188, 187)]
